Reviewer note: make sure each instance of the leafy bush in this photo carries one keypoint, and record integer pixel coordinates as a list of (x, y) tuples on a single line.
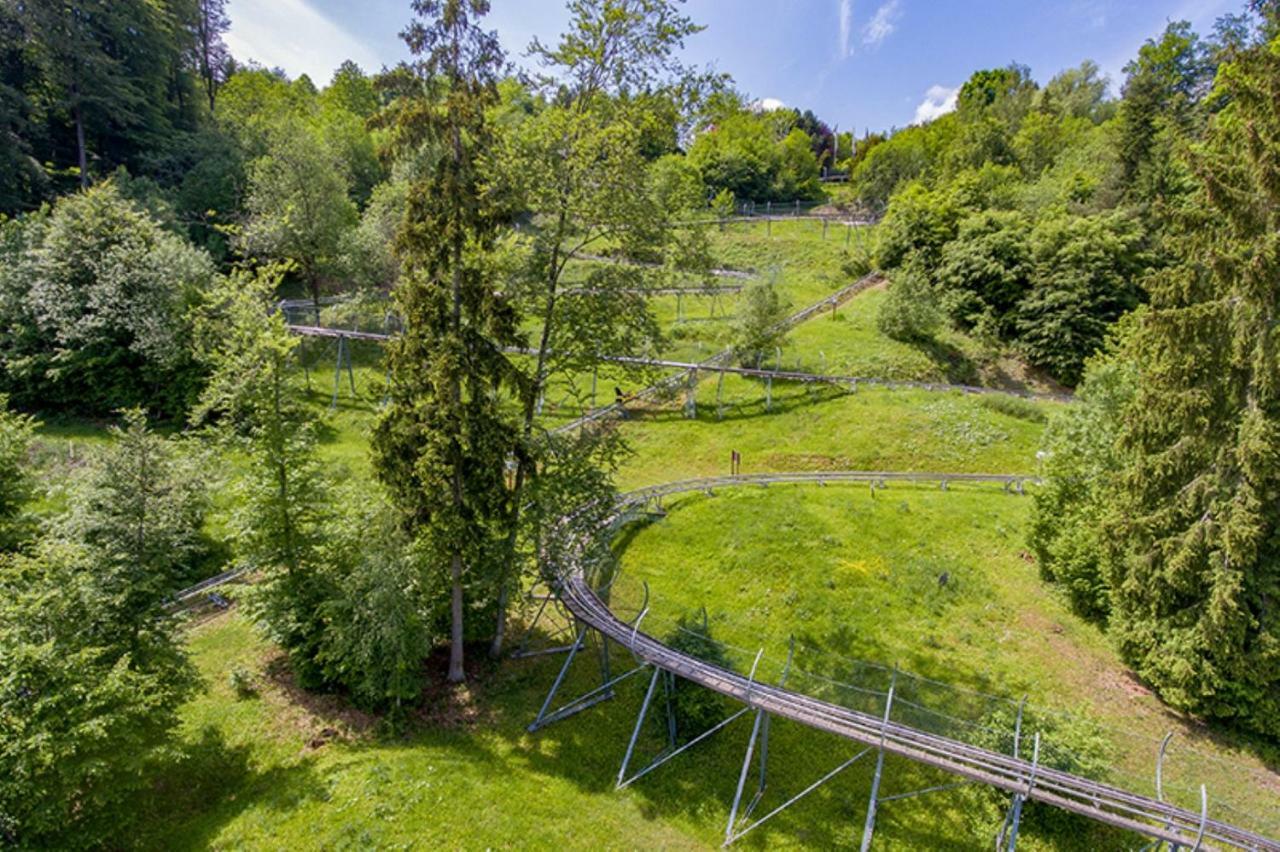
[(758, 326), (694, 707), (93, 302), (376, 636), (919, 223), (91, 671), (1080, 456), (138, 508), (1070, 743), (910, 310), (15, 484), (986, 270)]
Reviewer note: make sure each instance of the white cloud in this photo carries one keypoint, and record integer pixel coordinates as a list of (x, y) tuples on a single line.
[(767, 105), (293, 36), (938, 101), (846, 27), (882, 23)]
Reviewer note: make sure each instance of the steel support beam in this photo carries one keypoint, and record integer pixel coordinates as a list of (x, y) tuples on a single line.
[(869, 827)]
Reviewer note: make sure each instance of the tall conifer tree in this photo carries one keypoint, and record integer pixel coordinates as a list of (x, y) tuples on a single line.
[(442, 443), (1196, 604)]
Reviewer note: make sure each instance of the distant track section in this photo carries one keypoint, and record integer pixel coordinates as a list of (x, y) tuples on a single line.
[(1098, 801)]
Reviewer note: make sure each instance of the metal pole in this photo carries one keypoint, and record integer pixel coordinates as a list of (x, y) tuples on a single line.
[(1019, 798), (555, 687), (669, 691), (337, 372), (764, 743), (1204, 818), (870, 826), (742, 777), (635, 734), (302, 356)]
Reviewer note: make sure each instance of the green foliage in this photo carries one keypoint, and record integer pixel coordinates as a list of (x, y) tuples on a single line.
[(91, 678), (910, 312), (377, 631), (1014, 406), (694, 708), (137, 510), (1073, 743), (919, 222), (282, 504), (1079, 458), (759, 325), (93, 299), (1195, 531), (756, 158), (442, 442), (298, 209), (1162, 94), (16, 431), (1086, 270), (986, 270)]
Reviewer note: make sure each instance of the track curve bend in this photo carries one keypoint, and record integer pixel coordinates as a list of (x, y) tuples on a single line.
[(1101, 802)]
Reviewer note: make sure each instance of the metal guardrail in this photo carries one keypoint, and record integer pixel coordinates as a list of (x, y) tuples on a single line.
[(205, 585), (1026, 779)]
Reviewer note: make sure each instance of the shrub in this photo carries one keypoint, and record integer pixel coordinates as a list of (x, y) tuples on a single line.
[(910, 312), (695, 708), (15, 484), (93, 302), (1081, 456), (758, 327)]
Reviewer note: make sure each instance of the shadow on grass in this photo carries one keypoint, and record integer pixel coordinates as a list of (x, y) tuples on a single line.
[(954, 365), (210, 782)]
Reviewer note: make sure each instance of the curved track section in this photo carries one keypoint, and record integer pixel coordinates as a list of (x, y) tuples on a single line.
[(1101, 802)]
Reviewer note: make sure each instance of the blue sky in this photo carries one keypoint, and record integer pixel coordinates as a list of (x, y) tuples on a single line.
[(857, 63)]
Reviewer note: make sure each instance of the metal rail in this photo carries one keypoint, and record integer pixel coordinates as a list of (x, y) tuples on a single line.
[(727, 289), (1028, 779), (718, 363)]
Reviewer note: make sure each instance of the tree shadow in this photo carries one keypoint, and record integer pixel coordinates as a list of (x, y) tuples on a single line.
[(956, 367), (207, 782)]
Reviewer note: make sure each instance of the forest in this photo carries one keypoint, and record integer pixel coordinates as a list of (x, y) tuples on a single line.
[(514, 231)]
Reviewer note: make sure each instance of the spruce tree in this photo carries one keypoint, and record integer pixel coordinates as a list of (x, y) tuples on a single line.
[(1196, 581), (442, 442)]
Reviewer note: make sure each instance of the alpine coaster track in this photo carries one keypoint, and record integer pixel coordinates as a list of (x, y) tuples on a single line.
[(1025, 779)]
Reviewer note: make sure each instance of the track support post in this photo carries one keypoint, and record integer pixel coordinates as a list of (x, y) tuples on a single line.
[(869, 828)]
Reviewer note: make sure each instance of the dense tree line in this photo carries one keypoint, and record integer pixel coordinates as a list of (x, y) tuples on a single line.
[(1032, 213), (1160, 517)]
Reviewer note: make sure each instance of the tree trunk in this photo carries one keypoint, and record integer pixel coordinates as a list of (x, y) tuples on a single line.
[(457, 674), (82, 157), (499, 635)]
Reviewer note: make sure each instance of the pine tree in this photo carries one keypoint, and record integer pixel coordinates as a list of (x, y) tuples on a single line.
[(1196, 584), (442, 443)]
